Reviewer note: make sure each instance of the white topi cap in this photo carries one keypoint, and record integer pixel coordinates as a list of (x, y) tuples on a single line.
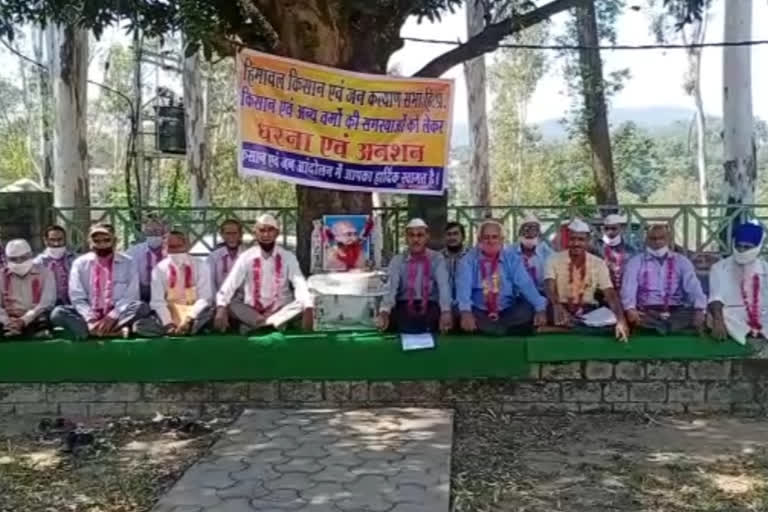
[(530, 219), (579, 226), (614, 219), (416, 223), (16, 248), (267, 220)]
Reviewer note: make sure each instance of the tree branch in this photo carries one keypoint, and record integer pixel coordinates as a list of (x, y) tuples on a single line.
[(489, 39), (21, 55)]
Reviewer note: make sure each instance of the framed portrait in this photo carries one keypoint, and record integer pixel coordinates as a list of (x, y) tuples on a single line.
[(346, 242)]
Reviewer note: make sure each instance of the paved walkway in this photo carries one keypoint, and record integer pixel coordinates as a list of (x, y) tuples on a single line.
[(377, 460)]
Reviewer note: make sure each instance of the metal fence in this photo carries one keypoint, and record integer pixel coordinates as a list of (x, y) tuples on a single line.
[(696, 228)]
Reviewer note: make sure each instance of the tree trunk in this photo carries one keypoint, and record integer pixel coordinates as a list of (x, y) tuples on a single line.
[(698, 34), (595, 108), (70, 74), (43, 48), (738, 127), (196, 121), (355, 38), (474, 73)]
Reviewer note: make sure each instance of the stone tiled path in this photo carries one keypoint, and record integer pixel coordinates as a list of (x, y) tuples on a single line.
[(329, 460)]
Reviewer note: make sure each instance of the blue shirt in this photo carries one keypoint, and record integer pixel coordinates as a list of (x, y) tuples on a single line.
[(514, 280), (537, 261)]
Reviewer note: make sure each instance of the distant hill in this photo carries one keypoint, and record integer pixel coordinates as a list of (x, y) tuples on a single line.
[(646, 117)]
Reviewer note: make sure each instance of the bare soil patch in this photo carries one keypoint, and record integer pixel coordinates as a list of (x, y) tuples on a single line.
[(97, 465), (607, 463)]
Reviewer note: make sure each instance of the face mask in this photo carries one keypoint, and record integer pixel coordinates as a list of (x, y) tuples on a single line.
[(21, 269), (658, 253), (179, 259), (154, 242), (611, 242), (529, 243), (746, 257), (56, 252), (103, 253)]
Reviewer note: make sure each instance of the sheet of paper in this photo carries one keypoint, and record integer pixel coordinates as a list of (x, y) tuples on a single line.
[(600, 317), (417, 341)]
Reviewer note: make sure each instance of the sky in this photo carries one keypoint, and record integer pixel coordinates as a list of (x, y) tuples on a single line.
[(656, 74)]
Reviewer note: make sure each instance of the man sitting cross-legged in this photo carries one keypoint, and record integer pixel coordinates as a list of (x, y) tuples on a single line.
[(660, 289), (533, 251), (490, 280), (274, 288), (615, 248), (738, 288), (571, 279), (181, 293), (223, 258), (103, 290), (58, 259), (419, 298), (27, 292), (147, 254)]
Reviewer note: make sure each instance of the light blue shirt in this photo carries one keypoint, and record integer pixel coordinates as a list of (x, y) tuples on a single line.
[(538, 261), (125, 282), (515, 281)]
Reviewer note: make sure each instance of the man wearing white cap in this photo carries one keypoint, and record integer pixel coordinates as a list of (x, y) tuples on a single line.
[(573, 276), (27, 292), (274, 288), (419, 297), (103, 291), (490, 283), (614, 248), (147, 254), (533, 251)]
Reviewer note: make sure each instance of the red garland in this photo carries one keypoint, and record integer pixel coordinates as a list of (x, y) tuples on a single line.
[(257, 284), (753, 310), (99, 311), (577, 307), (173, 278), (426, 283), (670, 278), (37, 290), (492, 294)]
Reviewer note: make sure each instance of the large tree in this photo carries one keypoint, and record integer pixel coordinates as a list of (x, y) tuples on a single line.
[(348, 34)]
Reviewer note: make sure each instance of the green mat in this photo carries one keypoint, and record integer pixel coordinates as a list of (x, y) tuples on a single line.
[(331, 356), (567, 347)]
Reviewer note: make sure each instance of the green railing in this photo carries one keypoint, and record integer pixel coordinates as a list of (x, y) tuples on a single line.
[(696, 228)]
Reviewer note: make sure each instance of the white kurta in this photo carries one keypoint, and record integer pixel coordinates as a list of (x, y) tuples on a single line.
[(291, 283), (21, 293), (725, 285), (201, 295)]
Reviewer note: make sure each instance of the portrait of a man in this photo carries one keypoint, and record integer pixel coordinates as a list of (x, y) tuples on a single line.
[(346, 242)]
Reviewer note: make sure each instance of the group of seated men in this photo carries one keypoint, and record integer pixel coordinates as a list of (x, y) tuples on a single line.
[(500, 289), (157, 288), (152, 289)]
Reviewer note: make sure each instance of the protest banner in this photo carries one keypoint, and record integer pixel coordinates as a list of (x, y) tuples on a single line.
[(331, 128)]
